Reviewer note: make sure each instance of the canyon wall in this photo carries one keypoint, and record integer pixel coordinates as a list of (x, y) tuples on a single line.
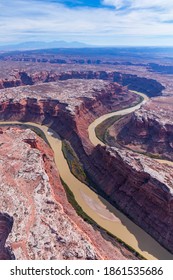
[(148, 86), (150, 129), (141, 187)]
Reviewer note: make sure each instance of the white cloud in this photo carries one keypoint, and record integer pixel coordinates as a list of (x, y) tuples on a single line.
[(117, 3), (143, 4), (37, 20), (148, 4)]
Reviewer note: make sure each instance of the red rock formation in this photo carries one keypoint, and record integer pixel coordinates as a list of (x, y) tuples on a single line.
[(149, 86), (150, 129), (65, 102)]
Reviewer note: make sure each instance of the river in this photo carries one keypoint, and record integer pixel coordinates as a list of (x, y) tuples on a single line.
[(101, 211)]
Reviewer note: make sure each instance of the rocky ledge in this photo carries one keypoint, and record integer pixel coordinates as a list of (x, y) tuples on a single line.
[(71, 93), (29, 77), (150, 129), (41, 222)]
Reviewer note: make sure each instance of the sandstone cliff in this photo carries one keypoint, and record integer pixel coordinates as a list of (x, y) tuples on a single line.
[(150, 129), (141, 187), (149, 86)]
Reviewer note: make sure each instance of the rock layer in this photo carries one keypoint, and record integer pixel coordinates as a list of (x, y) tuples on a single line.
[(149, 86), (150, 129), (141, 187)]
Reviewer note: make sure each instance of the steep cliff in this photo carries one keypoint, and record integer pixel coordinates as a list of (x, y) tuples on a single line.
[(149, 86), (141, 187), (150, 129)]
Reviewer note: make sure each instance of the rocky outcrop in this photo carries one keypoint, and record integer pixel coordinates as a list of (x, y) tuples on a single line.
[(141, 187), (29, 109), (150, 129), (148, 86)]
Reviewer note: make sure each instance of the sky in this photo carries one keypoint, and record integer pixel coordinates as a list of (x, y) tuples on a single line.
[(97, 22)]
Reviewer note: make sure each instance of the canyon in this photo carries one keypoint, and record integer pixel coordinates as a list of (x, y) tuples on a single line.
[(139, 186), (25, 239)]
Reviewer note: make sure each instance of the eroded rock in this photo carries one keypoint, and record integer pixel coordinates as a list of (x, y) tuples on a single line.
[(150, 129)]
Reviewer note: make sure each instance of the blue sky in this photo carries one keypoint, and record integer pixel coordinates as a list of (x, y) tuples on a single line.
[(78, 3), (97, 22)]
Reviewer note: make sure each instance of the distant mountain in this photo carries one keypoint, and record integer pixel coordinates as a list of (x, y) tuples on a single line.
[(43, 45)]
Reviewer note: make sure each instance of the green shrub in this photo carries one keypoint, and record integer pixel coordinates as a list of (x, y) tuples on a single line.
[(73, 161)]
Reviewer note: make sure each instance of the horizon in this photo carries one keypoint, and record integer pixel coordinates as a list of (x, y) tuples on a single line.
[(100, 22), (86, 46)]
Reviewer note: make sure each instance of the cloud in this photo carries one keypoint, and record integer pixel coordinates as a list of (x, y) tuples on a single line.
[(117, 3), (137, 4), (23, 20)]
